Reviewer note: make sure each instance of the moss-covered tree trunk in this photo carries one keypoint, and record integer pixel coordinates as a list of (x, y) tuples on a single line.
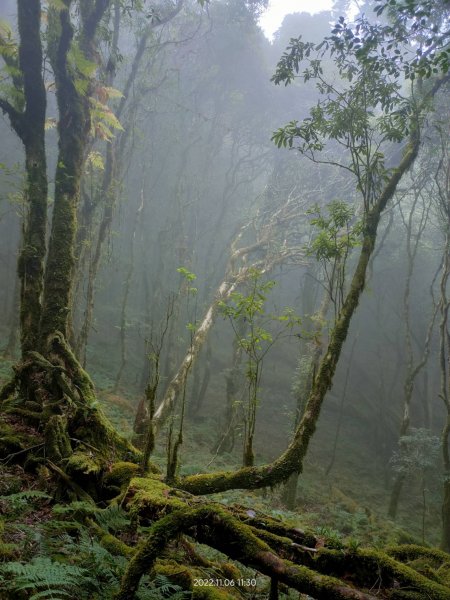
[(29, 125), (53, 393), (11, 344), (291, 461), (33, 135), (73, 131)]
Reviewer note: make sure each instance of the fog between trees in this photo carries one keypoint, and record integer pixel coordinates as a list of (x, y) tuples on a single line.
[(244, 290)]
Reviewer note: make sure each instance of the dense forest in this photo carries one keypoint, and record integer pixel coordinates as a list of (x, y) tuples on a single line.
[(224, 301)]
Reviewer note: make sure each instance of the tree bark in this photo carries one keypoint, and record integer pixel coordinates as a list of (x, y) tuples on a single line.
[(73, 131), (30, 127)]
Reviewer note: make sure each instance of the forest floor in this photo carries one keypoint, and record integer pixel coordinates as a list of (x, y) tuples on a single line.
[(351, 500), (39, 528)]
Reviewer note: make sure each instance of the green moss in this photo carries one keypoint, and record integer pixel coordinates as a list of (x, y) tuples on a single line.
[(75, 511), (90, 425), (8, 551), (57, 444), (83, 463), (230, 571), (422, 566), (29, 416), (211, 482), (116, 546), (161, 533), (413, 551), (443, 574), (184, 577), (175, 573), (109, 541), (15, 440), (149, 497), (364, 564), (120, 473)]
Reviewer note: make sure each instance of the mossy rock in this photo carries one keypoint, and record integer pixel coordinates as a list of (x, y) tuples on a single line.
[(120, 474), (83, 463)]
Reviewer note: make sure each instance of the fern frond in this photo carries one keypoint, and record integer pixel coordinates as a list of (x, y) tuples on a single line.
[(42, 572), (113, 518)]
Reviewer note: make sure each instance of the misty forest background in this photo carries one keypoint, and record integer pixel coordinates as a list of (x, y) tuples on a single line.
[(191, 218)]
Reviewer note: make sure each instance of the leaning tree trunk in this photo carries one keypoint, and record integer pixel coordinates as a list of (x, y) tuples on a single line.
[(291, 461), (223, 293), (239, 268)]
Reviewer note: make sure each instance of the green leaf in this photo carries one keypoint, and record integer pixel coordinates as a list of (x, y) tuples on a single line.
[(95, 160), (187, 274)]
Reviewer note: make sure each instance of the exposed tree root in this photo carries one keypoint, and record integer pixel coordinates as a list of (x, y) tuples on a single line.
[(285, 554), (50, 416), (216, 527), (54, 398)]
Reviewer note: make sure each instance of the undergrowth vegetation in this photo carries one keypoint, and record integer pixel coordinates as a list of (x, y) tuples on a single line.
[(48, 552)]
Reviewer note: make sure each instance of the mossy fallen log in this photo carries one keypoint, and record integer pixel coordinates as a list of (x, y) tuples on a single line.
[(219, 529), (291, 556)]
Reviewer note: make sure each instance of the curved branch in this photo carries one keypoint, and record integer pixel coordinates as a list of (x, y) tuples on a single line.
[(216, 527), (289, 555), (291, 461), (15, 117)]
